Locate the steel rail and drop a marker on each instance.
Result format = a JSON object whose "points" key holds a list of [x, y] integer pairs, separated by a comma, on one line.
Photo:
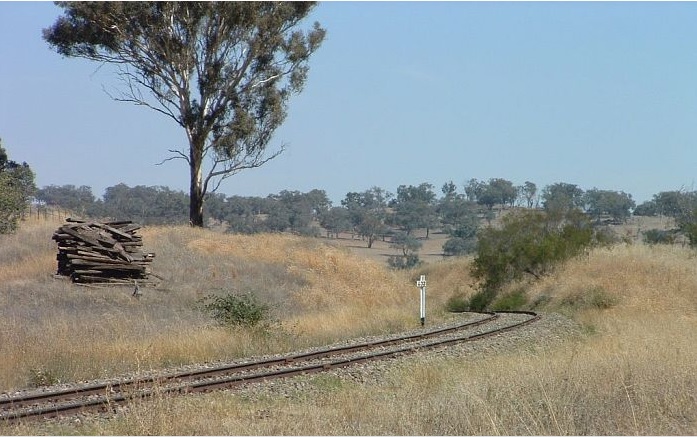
{"points": [[116, 386], [106, 396]]}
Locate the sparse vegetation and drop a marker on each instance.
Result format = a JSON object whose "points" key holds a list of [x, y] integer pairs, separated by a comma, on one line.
{"points": [[632, 372]]}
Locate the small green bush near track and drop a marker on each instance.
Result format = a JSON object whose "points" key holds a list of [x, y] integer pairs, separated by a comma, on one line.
{"points": [[511, 301], [457, 303], [234, 309]]}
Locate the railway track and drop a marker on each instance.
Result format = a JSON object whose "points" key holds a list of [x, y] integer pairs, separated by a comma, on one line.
{"points": [[106, 396]]}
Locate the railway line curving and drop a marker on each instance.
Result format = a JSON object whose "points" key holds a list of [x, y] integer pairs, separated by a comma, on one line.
{"points": [[106, 396]]}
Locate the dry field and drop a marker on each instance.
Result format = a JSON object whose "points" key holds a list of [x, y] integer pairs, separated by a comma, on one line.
{"points": [[633, 370], [432, 249]]}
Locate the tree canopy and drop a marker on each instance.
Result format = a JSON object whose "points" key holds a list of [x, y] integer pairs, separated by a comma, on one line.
{"points": [[368, 212], [616, 204], [415, 207], [560, 198], [16, 190], [223, 71]]}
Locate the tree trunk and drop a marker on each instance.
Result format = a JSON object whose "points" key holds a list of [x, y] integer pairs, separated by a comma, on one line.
{"points": [[196, 188]]}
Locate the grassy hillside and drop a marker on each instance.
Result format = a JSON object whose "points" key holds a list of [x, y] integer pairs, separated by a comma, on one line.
{"points": [[633, 370], [318, 294]]}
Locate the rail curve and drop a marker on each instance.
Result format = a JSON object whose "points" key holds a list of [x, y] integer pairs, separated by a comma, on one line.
{"points": [[106, 396]]}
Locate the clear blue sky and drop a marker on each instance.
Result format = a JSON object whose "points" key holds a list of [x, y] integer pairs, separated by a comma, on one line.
{"points": [[596, 94]]}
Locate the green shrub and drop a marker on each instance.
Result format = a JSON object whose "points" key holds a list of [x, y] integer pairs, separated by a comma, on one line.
{"points": [[528, 242], [456, 246], [16, 190], [658, 236], [481, 299], [42, 378], [511, 301], [595, 297], [400, 262], [457, 303], [541, 301], [234, 309], [690, 230]]}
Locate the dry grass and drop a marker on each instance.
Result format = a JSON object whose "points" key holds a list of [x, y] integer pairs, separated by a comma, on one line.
{"points": [[603, 385], [318, 294], [634, 371]]}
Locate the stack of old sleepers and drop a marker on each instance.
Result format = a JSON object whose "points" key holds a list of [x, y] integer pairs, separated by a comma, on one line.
{"points": [[102, 253]]}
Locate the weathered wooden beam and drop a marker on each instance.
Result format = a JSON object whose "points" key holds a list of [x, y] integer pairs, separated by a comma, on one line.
{"points": [[130, 227], [114, 231], [107, 266], [77, 259], [82, 236], [118, 223]]}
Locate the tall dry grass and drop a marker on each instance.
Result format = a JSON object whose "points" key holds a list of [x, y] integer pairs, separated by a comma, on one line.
{"points": [[625, 384], [633, 371], [52, 330]]}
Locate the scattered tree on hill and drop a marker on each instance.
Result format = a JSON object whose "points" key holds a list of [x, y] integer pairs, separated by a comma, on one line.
{"points": [[336, 220], [528, 191], [462, 237], [473, 189], [16, 190], [223, 71], [242, 214], [674, 203], [459, 220], [681, 205], [368, 211], [214, 206], [449, 190], [294, 211], [409, 245], [616, 204], [497, 192], [561, 198], [454, 210], [686, 217], [414, 208], [646, 209]]}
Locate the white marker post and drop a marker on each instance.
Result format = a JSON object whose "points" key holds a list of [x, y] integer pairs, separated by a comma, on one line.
{"points": [[421, 283]]}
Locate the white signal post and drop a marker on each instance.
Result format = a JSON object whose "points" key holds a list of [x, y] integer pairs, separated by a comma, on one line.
{"points": [[421, 283]]}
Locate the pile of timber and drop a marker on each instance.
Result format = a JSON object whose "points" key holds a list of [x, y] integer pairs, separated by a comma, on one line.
{"points": [[102, 253]]}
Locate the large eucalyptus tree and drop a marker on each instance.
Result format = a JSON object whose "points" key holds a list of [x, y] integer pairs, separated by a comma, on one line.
{"points": [[223, 71]]}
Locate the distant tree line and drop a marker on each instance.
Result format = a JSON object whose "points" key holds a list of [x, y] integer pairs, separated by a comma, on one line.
{"points": [[375, 213], [146, 205]]}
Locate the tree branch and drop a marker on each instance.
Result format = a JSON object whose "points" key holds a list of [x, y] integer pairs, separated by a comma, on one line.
{"points": [[181, 154]]}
